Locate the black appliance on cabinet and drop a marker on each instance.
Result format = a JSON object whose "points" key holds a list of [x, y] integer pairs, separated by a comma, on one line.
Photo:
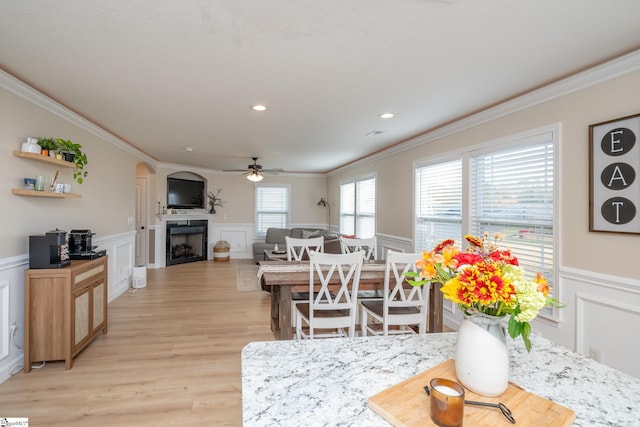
{"points": [[81, 246], [50, 250]]}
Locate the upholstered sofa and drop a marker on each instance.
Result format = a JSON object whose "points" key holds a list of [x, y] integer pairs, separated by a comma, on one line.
{"points": [[277, 236]]}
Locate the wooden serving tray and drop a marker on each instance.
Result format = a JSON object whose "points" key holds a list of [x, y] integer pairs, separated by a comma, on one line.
{"points": [[407, 404]]}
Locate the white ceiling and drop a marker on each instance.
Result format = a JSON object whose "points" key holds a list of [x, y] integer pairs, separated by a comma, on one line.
{"points": [[164, 75]]}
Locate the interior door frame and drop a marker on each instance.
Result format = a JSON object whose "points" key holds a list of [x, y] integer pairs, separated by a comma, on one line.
{"points": [[141, 253]]}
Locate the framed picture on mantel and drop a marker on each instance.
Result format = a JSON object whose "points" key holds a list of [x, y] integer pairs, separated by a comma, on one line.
{"points": [[614, 175]]}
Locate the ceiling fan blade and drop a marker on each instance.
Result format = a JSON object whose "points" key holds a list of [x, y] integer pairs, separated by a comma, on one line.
{"points": [[255, 167]]}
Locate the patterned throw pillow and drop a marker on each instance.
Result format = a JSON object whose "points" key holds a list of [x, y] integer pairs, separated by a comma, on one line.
{"points": [[308, 233]]}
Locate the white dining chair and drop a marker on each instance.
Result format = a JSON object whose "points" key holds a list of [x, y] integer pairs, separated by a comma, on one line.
{"points": [[331, 312], [298, 249], [370, 246], [402, 305]]}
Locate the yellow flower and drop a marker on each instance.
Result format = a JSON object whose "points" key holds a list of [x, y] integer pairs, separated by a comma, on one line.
{"points": [[450, 290]]}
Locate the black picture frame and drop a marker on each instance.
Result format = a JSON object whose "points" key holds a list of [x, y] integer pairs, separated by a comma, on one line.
{"points": [[614, 175]]}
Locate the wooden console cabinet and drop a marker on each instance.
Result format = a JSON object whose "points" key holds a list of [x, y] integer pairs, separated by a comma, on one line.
{"points": [[64, 310]]}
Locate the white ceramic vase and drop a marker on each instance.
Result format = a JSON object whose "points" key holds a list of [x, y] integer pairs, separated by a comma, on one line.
{"points": [[482, 358]]}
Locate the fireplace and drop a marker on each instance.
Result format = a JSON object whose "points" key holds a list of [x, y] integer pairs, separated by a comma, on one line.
{"points": [[186, 241]]}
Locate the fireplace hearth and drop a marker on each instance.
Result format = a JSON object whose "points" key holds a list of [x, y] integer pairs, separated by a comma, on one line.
{"points": [[186, 241]]}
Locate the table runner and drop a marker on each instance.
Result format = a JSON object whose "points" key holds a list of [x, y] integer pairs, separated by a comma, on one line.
{"points": [[303, 266]]}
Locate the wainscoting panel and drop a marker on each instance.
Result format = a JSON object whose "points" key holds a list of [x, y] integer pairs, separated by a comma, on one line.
{"points": [[607, 332], [12, 311], [600, 318], [239, 236], [120, 250], [238, 239], [5, 326], [393, 243]]}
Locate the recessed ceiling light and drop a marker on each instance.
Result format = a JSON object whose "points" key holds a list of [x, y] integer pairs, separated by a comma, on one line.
{"points": [[259, 107], [386, 115], [189, 149]]}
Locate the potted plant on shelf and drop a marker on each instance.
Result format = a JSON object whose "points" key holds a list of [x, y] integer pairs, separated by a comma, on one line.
{"points": [[214, 200], [48, 145], [73, 153]]}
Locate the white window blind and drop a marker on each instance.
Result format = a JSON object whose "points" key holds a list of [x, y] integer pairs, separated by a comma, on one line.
{"points": [[438, 196], [512, 192], [358, 208], [366, 208], [272, 208], [348, 208]]}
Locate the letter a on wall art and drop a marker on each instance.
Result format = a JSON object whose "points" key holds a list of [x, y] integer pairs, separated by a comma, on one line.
{"points": [[614, 175]]}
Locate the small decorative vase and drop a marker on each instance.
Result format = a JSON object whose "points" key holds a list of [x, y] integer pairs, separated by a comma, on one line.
{"points": [[482, 358], [212, 211], [69, 157]]}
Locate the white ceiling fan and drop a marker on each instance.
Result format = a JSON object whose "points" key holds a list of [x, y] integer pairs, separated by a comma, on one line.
{"points": [[254, 172]]}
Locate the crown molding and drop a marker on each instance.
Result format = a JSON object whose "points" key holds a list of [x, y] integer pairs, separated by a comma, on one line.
{"points": [[26, 92], [593, 76]]}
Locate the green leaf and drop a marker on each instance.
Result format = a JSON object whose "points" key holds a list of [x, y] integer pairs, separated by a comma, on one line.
{"points": [[514, 327]]}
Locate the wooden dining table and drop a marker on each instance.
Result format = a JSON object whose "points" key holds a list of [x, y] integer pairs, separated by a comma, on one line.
{"points": [[284, 278]]}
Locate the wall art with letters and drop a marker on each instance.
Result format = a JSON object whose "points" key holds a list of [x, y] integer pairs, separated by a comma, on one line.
{"points": [[614, 175]]}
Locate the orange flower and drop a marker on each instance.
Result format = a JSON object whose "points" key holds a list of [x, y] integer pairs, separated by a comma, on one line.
{"points": [[448, 257], [475, 241], [427, 264], [543, 285]]}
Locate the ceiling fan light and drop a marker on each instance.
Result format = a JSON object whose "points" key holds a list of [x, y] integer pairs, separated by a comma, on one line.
{"points": [[254, 176]]}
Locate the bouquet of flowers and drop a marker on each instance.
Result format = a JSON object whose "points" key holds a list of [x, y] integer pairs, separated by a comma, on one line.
{"points": [[485, 279]]}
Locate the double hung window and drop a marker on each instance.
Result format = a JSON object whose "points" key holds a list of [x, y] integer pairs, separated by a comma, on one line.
{"points": [[358, 208], [272, 207], [512, 193], [438, 196]]}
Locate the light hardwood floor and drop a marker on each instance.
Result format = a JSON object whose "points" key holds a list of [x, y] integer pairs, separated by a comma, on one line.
{"points": [[171, 357]]}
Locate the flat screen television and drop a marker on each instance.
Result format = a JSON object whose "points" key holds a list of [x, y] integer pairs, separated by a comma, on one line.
{"points": [[185, 194]]}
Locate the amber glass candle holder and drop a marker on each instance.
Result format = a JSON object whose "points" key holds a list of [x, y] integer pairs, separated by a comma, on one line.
{"points": [[447, 402]]}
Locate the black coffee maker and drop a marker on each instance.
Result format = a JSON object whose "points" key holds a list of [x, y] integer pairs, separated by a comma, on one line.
{"points": [[50, 250], [80, 242]]}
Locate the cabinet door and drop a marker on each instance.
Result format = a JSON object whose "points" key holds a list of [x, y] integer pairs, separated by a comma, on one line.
{"points": [[81, 319], [98, 317]]}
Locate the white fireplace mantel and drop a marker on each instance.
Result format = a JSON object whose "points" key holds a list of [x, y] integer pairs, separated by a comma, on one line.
{"points": [[161, 233]]}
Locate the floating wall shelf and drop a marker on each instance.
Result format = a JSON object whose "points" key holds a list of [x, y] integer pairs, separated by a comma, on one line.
{"points": [[51, 161], [45, 159], [21, 192]]}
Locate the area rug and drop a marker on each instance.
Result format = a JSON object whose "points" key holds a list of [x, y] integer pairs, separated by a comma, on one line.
{"points": [[247, 277]]}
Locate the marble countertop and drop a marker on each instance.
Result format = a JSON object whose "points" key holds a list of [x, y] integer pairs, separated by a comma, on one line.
{"points": [[327, 382]]}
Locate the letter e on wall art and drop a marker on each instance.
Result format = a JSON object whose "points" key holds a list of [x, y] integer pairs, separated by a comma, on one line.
{"points": [[614, 175]]}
